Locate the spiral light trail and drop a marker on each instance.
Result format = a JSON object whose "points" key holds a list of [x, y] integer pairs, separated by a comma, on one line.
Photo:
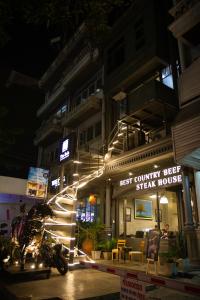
{"points": [[62, 228]]}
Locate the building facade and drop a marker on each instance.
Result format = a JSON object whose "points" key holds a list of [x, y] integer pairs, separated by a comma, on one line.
{"points": [[116, 111], [186, 141]]}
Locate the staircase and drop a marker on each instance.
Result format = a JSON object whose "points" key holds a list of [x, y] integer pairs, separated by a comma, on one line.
{"points": [[62, 227], [125, 136]]}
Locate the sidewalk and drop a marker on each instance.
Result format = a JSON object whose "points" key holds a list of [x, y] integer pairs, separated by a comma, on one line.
{"points": [[76, 284], [90, 284]]}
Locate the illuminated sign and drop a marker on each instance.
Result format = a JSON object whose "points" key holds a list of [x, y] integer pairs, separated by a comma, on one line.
{"points": [[37, 182], [66, 148], [155, 179], [56, 182]]}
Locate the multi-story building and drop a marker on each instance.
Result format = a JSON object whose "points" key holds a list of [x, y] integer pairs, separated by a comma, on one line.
{"points": [[116, 110], [186, 29]]}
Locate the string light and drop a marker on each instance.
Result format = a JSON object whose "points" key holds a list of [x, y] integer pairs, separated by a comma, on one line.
{"points": [[68, 196]]}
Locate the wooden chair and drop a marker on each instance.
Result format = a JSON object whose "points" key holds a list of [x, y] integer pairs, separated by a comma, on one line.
{"points": [[139, 253], [118, 251]]}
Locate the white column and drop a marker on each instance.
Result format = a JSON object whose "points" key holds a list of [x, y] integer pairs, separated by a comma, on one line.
{"points": [[187, 200], [197, 187]]}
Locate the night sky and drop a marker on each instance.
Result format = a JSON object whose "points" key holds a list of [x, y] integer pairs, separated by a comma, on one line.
{"points": [[29, 52]]}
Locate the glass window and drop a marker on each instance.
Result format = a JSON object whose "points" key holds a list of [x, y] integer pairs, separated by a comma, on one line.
{"points": [[85, 211], [166, 77]]}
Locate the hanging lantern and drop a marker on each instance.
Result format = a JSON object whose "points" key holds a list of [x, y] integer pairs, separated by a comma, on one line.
{"points": [[92, 199]]}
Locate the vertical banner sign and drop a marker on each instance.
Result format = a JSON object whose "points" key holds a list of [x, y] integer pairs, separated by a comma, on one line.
{"points": [[153, 243], [37, 182]]}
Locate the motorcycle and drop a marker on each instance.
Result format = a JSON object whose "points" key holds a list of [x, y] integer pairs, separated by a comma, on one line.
{"points": [[52, 256]]}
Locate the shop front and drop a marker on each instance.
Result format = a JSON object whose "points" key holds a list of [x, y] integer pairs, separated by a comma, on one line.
{"points": [[148, 199]]}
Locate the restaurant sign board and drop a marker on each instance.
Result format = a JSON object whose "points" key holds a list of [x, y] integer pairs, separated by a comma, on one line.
{"points": [[159, 178]]}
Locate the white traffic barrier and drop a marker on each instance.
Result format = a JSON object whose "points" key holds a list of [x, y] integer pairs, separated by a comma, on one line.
{"points": [[185, 287]]}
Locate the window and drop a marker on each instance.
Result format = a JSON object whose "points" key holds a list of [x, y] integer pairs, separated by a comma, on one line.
{"points": [[116, 55], [90, 133], [85, 211], [61, 110], [97, 129], [166, 77]]}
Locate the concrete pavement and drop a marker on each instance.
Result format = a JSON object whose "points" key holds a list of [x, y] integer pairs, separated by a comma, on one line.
{"points": [[76, 284]]}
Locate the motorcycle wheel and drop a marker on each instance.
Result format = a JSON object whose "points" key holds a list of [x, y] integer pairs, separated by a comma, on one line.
{"points": [[61, 265]]}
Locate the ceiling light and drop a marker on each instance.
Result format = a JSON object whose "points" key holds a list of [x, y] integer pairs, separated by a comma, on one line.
{"points": [[75, 174], [155, 166], [130, 173], [163, 200]]}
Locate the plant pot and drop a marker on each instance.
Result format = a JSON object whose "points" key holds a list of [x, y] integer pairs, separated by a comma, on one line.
{"points": [[96, 254], [107, 255], [169, 269]]}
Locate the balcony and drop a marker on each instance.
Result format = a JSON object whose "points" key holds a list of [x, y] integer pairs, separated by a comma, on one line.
{"points": [[48, 131], [150, 92], [74, 68], [189, 84], [82, 111], [141, 156], [187, 18]]}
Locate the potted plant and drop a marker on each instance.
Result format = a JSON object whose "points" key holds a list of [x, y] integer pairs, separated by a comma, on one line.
{"points": [[90, 234], [107, 247]]}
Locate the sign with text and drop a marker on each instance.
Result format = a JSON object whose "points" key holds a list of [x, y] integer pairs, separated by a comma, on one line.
{"points": [[155, 179], [37, 182], [56, 182], [67, 148], [132, 289]]}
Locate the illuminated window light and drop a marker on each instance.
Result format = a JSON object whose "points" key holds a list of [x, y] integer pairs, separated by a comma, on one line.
{"points": [[123, 128], [75, 174], [77, 162], [110, 148], [41, 265]]}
